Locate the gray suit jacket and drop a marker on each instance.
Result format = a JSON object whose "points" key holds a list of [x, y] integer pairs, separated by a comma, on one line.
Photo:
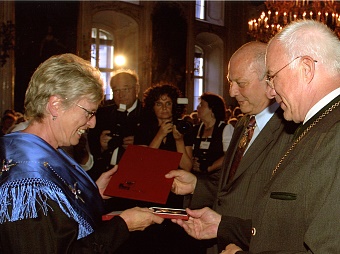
{"points": [[237, 197], [299, 209]]}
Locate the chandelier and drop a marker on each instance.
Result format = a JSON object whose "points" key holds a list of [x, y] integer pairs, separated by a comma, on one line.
{"points": [[278, 14], [6, 41]]}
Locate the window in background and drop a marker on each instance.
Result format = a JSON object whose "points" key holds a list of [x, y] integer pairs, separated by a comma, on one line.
{"points": [[200, 11], [210, 11], [102, 57], [131, 1], [198, 75]]}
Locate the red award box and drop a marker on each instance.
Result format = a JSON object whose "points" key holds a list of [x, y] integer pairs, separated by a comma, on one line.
{"points": [[141, 174]]}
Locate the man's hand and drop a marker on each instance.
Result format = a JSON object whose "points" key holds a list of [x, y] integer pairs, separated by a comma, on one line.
{"points": [[128, 141], [184, 182], [202, 223], [104, 140], [139, 218], [104, 180], [231, 249]]}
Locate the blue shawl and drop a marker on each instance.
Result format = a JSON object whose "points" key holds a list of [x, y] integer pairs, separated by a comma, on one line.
{"points": [[34, 172]]}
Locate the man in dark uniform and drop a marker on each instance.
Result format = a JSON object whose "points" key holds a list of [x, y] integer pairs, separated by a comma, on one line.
{"points": [[116, 124]]}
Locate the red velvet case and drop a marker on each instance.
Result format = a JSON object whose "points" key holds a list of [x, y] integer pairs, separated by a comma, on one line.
{"points": [[141, 174]]}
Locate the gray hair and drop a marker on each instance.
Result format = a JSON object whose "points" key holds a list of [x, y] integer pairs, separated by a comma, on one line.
{"points": [[311, 38], [259, 60], [67, 76], [124, 72], [254, 53]]}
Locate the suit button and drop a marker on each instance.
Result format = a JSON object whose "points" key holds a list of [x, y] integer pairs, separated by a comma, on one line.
{"points": [[219, 202], [253, 231]]}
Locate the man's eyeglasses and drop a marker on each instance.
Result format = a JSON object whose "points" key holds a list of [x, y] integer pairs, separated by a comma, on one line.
{"points": [[89, 114], [123, 90], [270, 78]]}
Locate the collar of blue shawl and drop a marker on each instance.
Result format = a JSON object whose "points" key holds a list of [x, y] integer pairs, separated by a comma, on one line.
{"points": [[33, 172]]}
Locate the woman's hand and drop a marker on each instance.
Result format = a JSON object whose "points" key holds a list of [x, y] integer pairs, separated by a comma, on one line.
{"points": [[177, 135], [195, 165], [104, 180], [165, 128], [140, 218]]}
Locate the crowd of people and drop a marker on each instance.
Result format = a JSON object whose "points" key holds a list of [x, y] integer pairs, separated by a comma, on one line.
{"points": [[262, 177], [9, 120]]}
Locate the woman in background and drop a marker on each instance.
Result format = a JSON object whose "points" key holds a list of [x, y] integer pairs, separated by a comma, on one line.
{"points": [[159, 130], [212, 137]]}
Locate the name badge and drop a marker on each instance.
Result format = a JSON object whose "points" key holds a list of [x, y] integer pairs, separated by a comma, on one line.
{"points": [[204, 145]]}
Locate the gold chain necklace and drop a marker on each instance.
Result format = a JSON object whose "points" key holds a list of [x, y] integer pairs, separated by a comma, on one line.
{"points": [[304, 134]]}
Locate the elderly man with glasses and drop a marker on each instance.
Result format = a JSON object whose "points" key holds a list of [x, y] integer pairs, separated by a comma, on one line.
{"points": [[299, 208]]}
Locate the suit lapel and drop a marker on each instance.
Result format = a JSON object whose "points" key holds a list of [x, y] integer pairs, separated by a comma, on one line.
{"points": [[265, 137], [229, 155]]}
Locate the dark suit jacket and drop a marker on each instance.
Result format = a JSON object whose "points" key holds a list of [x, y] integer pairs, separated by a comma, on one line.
{"points": [[237, 197], [108, 118], [299, 209]]}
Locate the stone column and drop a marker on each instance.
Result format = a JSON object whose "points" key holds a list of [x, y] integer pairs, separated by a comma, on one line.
{"points": [[7, 13]]}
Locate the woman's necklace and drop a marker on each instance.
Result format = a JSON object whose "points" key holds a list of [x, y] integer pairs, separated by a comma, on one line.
{"points": [[304, 134], [208, 131], [209, 125]]}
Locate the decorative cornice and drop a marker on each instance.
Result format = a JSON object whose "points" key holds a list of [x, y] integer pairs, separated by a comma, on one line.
{"points": [[131, 10]]}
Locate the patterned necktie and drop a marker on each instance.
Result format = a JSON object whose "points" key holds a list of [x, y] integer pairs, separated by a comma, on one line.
{"points": [[245, 139]]}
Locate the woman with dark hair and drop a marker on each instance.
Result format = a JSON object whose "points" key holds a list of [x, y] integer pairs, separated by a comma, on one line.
{"points": [[212, 136], [158, 130]]}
